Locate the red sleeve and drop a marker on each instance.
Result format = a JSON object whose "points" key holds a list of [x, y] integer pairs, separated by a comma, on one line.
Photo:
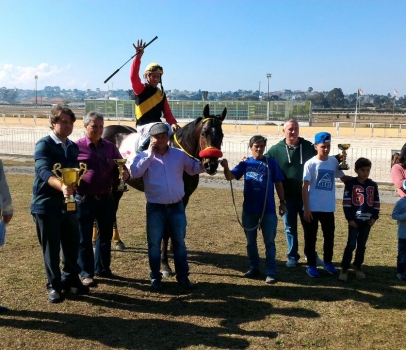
{"points": [[168, 113], [137, 85]]}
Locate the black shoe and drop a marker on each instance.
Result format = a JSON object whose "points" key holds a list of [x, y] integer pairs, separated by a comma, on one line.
{"points": [[156, 284], [252, 273], [54, 296], [79, 289], [3, 308], [108, 274], [185, 283]]}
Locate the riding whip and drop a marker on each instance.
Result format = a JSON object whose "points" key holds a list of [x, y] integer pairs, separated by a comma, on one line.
{"points": [[117, 70]]}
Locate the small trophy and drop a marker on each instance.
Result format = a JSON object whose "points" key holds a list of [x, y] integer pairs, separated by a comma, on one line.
{"points": [[122, 187], [70, 177], [343, 147]]}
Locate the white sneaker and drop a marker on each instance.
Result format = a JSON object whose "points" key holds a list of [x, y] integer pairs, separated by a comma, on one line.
{"points": [[291, 263]]}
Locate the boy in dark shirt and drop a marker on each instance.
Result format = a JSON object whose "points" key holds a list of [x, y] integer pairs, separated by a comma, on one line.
{"points": [[361, 208]]}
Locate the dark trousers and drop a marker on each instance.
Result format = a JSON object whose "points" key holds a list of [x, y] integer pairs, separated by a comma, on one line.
{"points": [[103, 211], [357, 239], [327, 223], [59, 233], [401, 260]]}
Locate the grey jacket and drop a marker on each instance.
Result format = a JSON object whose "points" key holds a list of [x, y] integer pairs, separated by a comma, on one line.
{"points": [[6, 205]]}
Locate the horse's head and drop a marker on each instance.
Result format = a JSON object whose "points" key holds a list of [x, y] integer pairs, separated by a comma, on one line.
{"points": [[210, 139]]}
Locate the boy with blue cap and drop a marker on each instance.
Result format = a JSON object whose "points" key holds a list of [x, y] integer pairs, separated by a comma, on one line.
{"points": [[319, 202]]}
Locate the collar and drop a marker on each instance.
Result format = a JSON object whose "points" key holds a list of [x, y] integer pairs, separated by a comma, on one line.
{"points": [[57, 140], [90, 142]]}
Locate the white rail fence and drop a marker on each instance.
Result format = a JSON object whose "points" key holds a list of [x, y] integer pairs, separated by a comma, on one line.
{"points": [[22, 142]]}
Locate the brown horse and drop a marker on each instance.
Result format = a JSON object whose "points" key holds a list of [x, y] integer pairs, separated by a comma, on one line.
{"points": [[200, 139]]}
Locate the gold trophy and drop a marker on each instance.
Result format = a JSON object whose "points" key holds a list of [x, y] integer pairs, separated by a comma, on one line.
{"points": [[122, 187], [70, 177], [343, 147]]}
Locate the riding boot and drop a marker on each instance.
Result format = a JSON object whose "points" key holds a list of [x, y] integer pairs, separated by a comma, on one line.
{"points": [[144, 146]]}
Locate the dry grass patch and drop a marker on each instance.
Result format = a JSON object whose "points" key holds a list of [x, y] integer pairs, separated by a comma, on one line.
{"points": [[225, 311]]}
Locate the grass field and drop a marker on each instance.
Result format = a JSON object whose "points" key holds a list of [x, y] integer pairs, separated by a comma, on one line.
{"points": [[225, 311]]}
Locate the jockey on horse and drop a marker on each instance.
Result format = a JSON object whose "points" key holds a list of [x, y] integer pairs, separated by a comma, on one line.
{"points": [[150, 104], [150, 101]]}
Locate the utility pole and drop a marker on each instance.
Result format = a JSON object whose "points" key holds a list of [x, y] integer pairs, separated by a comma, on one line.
{"points": [[268, 76], [36, 89]]}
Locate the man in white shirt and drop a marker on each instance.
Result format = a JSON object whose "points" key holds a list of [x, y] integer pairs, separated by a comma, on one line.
{"points": [[162, 167]]}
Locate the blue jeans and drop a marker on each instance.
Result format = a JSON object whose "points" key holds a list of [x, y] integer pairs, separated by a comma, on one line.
{"points": [[102, 210], [268, 227], [357, 238], [161, 217], [59, 233], [327, 222], [401, 263], [294, 207]]}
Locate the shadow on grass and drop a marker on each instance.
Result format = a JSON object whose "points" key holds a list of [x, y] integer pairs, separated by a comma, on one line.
{"points": [[116, 332], [379, 289], [152, 333]]}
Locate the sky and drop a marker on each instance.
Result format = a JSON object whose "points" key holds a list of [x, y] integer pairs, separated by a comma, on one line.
{"points": [[213, 45]]}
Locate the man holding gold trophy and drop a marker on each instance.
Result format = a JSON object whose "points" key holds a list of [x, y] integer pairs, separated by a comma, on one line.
{"points": [[95, 200], [53, 212]]}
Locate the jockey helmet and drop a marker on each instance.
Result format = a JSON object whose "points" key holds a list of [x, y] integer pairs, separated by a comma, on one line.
{"points": [[154, 68]]}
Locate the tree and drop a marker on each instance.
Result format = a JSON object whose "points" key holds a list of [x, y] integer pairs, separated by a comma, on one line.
{"points": [[335, 97], [318, 99], [309, 89], [8, 95]]}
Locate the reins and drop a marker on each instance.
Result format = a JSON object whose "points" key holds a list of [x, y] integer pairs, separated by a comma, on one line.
{"points": [[264, 207]]}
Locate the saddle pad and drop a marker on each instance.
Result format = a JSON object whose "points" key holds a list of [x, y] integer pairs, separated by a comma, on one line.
{"points": [[128, 147]]}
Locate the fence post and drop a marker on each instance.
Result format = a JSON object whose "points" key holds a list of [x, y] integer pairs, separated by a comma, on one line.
{"points": [[372, 129], [400, 131]]}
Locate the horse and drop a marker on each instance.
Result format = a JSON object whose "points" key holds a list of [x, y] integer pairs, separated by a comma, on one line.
{"points": [[200, 139]]}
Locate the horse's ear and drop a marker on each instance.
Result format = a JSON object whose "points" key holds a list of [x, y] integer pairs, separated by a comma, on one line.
{"points": [[206, 111], [223, 114]]}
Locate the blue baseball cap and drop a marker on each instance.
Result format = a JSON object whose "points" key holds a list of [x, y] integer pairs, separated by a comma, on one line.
{"points": [[322, 137]]}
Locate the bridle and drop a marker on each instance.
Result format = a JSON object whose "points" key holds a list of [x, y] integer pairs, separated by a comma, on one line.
{"points": [[175, 138]]}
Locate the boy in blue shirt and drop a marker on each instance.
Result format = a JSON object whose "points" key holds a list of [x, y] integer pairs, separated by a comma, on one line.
{"points": [[261, 174]]}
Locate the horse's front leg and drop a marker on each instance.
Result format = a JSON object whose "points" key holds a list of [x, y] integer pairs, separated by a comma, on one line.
{"points": [[165, 268]]}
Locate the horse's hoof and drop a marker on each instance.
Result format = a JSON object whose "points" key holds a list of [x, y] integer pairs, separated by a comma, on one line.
{"points": [[120, 245], [166, 271]]}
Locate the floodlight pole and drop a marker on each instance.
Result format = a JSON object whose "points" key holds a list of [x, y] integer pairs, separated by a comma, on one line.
{"points": [[36, 89], [268, 77], [355, 117]]}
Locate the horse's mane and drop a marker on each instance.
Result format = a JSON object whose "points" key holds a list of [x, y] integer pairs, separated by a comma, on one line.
{"points": [[189, 127]]}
